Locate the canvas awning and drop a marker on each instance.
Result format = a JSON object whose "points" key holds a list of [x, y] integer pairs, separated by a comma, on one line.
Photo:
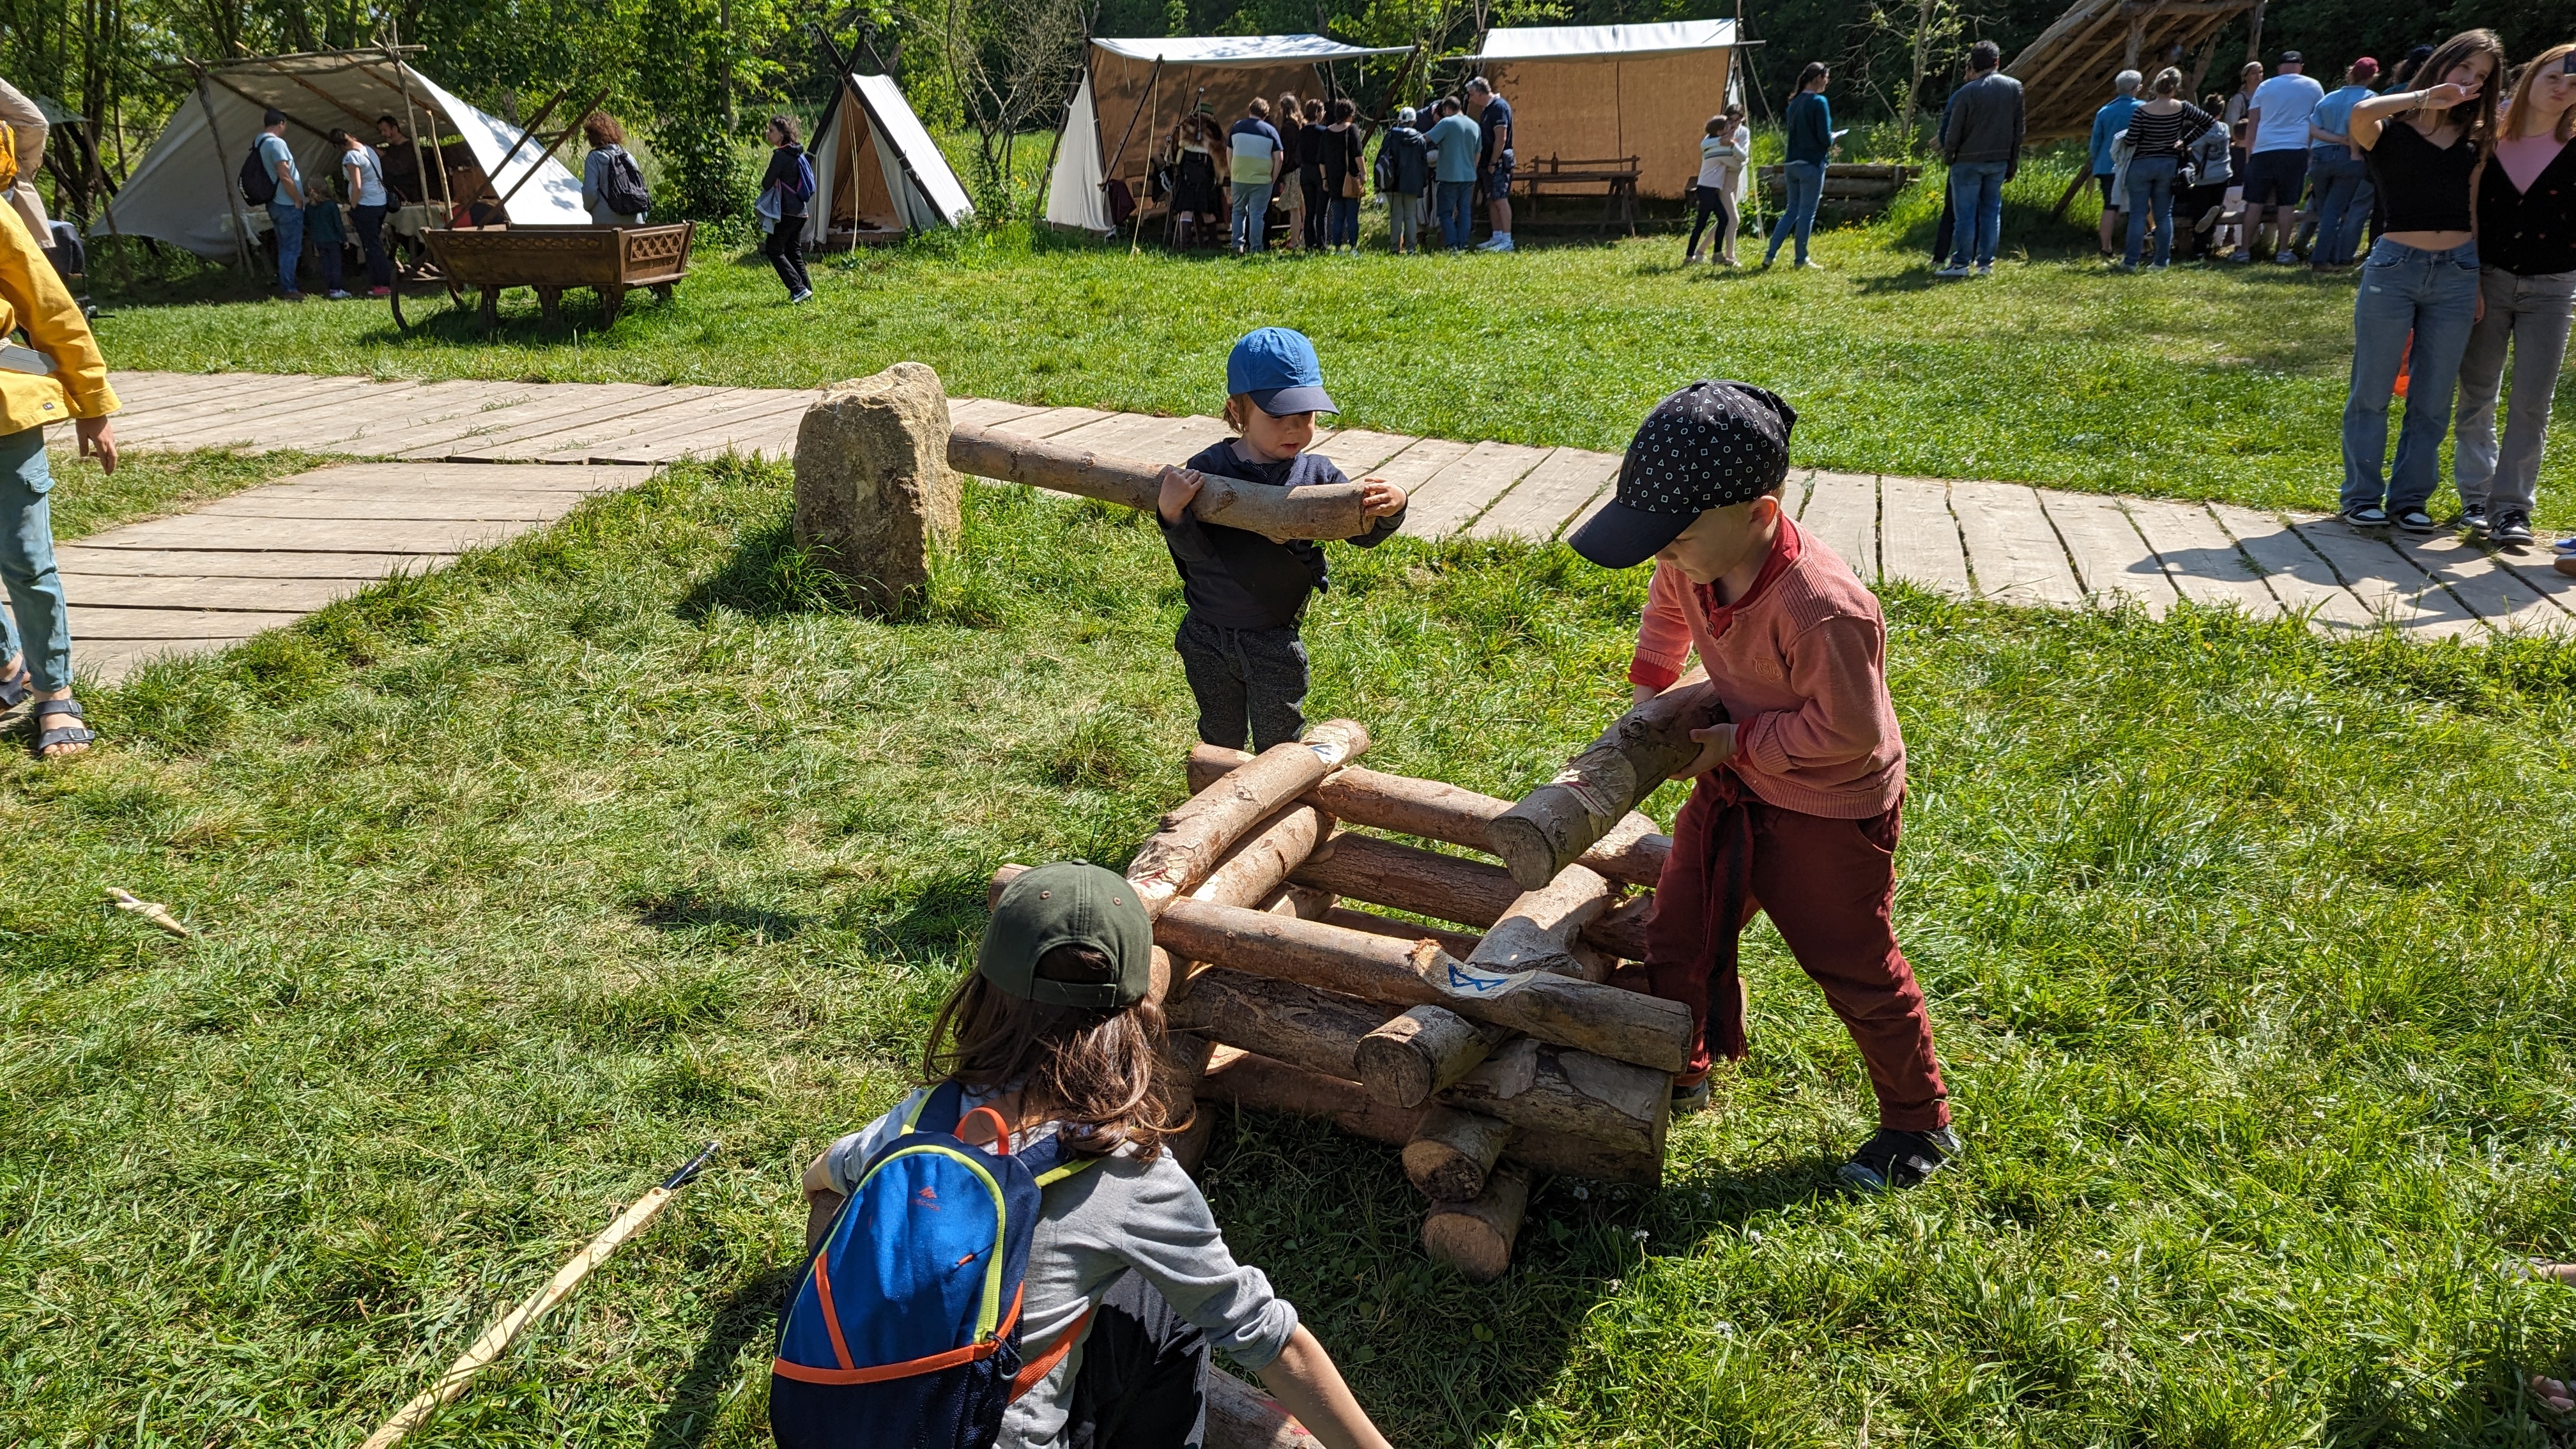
{"points": [[1243, 49], [1597, 42], [1602, 93]]}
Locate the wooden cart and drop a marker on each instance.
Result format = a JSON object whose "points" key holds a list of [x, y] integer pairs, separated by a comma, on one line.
{"points": [[611, 260]]}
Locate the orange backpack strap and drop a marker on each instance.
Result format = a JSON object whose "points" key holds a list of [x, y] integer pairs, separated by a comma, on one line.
{"points": [[1044, 1364]]}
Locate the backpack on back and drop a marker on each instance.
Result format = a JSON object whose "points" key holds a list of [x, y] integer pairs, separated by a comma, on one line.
{"points": [[906, 1328], [622, 189], [258, 182]]}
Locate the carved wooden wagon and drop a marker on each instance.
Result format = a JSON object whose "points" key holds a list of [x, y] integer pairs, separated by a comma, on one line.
{"points": [[553, 259]]}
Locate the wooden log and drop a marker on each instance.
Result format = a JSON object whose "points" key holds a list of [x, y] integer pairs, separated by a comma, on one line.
{"points": [[1418, 1052], [1538, 1087], [1257, 865], [1621, 930], [1295, 1024], [1476, 1237], [1240, 1416], [1194, 836], [1409, 878], [1556, 823], [1623, 1025], [1317, 511], [1456, 943], [1249, 1080], [1452, 1151], [1632, 853]]}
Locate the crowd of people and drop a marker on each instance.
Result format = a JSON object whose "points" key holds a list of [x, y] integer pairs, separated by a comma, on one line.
{"points": [[1301, 169]]}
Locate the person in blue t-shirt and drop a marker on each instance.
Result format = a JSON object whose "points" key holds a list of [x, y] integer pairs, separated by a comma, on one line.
{"points": [[1453, 177], [2337, 172], [1810, 124], [2108, 123], [1494, 159]]}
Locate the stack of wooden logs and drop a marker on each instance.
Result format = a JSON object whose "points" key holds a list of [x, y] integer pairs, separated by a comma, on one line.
{"points": [[1490, 1048]]}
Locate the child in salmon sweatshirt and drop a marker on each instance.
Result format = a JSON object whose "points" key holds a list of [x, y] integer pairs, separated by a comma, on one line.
{"points": [[1795, 804]]}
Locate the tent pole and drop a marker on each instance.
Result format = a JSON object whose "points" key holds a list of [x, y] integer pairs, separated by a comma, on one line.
{"points": [[1136, 233], [411, 123], [530, 132], [1046, 178], [446, 189], [1153, 77], [545, 156], [241, 218]]}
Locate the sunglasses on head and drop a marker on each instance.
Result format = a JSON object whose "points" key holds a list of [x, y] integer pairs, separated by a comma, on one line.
{"points": [[2567, 63]]}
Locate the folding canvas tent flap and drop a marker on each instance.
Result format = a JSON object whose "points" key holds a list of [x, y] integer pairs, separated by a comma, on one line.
{"points": [[186, 190], [877, 174], [1132, 91], [1596, 92]]}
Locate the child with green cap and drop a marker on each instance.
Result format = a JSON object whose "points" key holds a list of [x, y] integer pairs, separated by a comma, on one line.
{"points": [[1129, 1284], [1245, 593]]}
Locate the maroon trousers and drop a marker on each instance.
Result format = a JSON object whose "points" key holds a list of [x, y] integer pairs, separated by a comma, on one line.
{"points": [[1828, 885]]}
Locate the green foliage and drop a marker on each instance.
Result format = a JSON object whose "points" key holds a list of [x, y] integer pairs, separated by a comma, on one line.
{"points": [[706, 174]]}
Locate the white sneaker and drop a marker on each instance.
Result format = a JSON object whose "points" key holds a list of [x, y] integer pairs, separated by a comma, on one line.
{"points": [[2287, 257], [336, 295], [1501, 243], [1953, 272], [1985, 269]]}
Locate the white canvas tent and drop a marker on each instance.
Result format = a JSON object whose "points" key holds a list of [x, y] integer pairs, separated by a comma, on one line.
{"points": [[1598, 92], [877, 174], [186, 191], [1134, 90]]}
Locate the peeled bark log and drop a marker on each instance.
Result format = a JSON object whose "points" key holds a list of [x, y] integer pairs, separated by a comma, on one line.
{"points": [[1452, 1151], [1621, 930], [1456, 943], [1194, 836], [1296, 1024], [1476, 1237], [1632, 853], [1409, 878], [1324, 510], [1556, 823], [1261, 861], [1538, 929], [1240, 1416], [1418, 1052], [1537, 1087], [1624, 1025]]}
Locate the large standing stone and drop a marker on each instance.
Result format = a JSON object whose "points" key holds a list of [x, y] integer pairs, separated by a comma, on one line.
{"points": [[874, 491]]}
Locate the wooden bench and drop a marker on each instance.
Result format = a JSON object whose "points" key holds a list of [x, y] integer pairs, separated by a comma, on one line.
{"points": [[1616, 175], [1860, 186]]}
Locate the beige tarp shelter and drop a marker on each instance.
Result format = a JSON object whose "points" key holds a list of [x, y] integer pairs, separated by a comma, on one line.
{"points": [[186, 189], [1603, 92], [1133, 91], [878, 176]]}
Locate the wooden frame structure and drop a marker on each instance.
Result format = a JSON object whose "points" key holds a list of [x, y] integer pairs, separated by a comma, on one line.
{"points": [[2066, 73]]}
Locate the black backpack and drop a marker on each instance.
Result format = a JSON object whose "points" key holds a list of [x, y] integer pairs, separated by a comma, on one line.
{"points": [[622, 189], [258, 183]]}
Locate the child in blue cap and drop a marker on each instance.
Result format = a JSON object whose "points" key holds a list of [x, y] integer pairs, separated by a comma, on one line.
{"points": [[1245, 593]]}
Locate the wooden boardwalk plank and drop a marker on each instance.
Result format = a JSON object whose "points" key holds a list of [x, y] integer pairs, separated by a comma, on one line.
{"points": [[91, 559], [1408, 469], [301, 596], [985, 412], [2203, 563], [285, 416], [1447, 500], [2536, 567], [762, 428], [1052, 421], [372, 427], [2111, 557], [2297, 575], [115, 623], [1918, 540], [2014, 555], [1360, 453], [445, 505], [289, 535], [576, 445], [1842, 510], [2388, 584], [1548, 495], [378, 478], [492, 438], [2490, 590]]}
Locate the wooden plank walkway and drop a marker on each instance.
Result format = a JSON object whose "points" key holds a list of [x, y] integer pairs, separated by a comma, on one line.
{"points": [[223, 572]]}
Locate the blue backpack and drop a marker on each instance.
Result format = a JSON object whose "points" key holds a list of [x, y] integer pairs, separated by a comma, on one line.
{"points": [[906, 1329]]}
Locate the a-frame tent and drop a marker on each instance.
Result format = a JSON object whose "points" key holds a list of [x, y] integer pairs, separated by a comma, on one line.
{"points": [[1608, 92], [1132, 91], [878, 177], [186, 191]]}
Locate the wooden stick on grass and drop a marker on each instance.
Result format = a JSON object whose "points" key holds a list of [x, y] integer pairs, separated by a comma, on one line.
{"points": [[153, 911], [496, 1340]]}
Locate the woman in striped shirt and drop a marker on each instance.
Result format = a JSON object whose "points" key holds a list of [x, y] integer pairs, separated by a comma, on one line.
{"points": [[2159, 132]]}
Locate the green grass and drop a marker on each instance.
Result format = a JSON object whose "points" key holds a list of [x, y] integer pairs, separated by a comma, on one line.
{"points": [[515, 883], [2221, 384]]}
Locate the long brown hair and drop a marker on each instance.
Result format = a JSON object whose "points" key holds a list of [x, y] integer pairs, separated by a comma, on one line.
{"points": [[1098, 1073], [2556, 54], [2459, 50]]}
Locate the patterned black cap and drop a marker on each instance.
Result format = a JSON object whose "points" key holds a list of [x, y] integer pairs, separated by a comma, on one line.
{"points": [[1709, 445]]}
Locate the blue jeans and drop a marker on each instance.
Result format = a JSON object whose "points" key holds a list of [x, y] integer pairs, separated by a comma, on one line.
{"points": [[2433, 297], [2343, 203], [289, 221], [1251, 217], [1806, 183], [1450, 200], [2151, 186], [1976, 192], [27, 563], [370, 221], [1342, 223]]}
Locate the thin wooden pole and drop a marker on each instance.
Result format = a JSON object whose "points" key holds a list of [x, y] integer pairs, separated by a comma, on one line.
{"points": [[241, 218]]}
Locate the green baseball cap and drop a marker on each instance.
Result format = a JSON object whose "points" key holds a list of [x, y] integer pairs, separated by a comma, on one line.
{"points": [[1069, 904]]}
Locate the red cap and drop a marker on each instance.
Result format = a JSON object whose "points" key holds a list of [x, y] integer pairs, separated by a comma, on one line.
{"points": [[2365, 66]]}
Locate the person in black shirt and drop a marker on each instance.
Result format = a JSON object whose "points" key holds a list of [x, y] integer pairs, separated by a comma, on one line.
{"points": [[1244, 593], [788, 184]]}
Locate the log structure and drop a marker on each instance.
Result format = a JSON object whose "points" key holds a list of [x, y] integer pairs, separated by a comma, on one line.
{"points": [[1411, 994], [1555, 824]]}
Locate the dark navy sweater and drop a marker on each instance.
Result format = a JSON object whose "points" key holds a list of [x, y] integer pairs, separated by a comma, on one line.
{"points": [[1236, 579]]}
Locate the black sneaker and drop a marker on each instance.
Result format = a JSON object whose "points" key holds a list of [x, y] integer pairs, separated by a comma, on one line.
{"points": [[2512, 528], [2366, 515], [1895, 1159], [2473, 516]]}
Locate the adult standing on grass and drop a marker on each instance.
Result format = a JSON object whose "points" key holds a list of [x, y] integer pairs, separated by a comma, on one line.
{"points": [[1254, 156], [1723, 147], [62, 376], [612, 188], [2108, 123], [1454, 183], [1493, 160], [2341, 175], [2277, 170], [1404, 174], [2159, 132], [2421, 281], [784, 189], [1292, 194], [2526, 217], [1981, 139], [1314, 143], [285, 201], [1810, 124], [2249, 79], [1343, 168], [363, 171], [2212, 170]]}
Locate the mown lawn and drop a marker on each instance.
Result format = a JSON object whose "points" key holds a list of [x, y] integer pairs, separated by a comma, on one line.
{"points": [[2219, 384], [516, 883]]}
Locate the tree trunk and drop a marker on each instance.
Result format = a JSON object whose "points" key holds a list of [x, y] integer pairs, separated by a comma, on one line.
{"points": [[1476, 1237], [1632, 853], [1556, 823], [1296, 1024], [1542, 1089], [1452, 1151], [1196, 834], [1324, 510]]}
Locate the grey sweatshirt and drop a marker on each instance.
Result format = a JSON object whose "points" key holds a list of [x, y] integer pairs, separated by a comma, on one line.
{"points": [[1114, 1215]]}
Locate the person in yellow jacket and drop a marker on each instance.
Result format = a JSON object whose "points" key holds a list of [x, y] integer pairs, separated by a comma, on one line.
{"points": [[63, 376]]}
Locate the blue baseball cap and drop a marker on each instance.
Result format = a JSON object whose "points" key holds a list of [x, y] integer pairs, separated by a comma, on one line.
{"points": [[1278, 367]]}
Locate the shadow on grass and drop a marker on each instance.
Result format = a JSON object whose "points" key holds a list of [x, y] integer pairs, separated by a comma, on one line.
{"points": [[686, 910], [749, 1315], [768, 577]]}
